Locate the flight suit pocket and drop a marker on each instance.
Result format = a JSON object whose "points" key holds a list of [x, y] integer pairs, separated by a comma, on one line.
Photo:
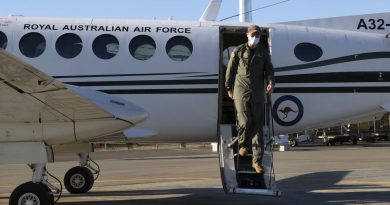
{"points": [[257, 59], [243, 67]]}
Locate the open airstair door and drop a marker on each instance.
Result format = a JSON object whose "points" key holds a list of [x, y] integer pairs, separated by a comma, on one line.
{"points": [[238, 176]]}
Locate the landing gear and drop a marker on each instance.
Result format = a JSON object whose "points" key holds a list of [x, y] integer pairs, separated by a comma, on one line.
{"points": [[37, 192], [51, 194], [80, 179], [30, 193], [293, 142]]}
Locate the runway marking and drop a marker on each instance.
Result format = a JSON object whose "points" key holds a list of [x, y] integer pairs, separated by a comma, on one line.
{"points": [[156, 179], [381, 186], [339, 190], [80, 198], [142, 180], [365, 182], [172, 157], [344, 182]]}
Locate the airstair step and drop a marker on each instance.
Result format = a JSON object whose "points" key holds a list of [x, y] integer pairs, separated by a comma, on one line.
{"points": [[237, 172], [251, 181], [246, 172], [264, 192], [248, 155]]}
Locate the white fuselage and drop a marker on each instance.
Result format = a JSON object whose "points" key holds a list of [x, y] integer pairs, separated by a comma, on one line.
{"points": [[347, 81]]}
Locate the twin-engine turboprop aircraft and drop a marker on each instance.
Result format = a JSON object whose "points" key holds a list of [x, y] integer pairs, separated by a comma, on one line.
{"points": [[65, 82]]}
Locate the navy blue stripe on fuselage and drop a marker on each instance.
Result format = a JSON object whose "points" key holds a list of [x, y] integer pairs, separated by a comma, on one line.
{"points": [[124, 75], [162, 91], [338, 60], [355, 89], [336, 77], [374, 89], [145, 82]]}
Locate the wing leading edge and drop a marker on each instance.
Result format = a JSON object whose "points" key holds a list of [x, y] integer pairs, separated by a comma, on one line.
{"points": [[37, 107]]}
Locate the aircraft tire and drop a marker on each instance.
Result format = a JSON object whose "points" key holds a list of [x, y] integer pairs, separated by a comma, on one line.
{"points": [[331, 142], [30, 193], [294, 143], [78, 180], [51, 195]]}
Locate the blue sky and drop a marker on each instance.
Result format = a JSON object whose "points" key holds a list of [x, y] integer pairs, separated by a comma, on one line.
{"points": [[190, 9]]}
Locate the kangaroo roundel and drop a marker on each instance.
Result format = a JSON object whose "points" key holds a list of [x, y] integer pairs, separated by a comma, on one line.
{"points": [[287, 110]]}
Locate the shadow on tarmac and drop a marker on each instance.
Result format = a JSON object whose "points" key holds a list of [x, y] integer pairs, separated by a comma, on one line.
{"points": [[297, 190]]}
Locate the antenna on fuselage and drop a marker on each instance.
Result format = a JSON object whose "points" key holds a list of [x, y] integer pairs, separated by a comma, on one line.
{"points": [[250, 11], [212, 10]]}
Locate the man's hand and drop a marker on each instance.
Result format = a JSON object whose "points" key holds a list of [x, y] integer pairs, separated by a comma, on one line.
{"points": [[230, 93], [270, 87]]}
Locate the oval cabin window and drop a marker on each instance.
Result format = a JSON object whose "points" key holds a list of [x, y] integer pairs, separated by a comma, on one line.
{"points": [[179, 48], [69, 45], [32, 45], [142, 47], [105, 46], [307, 52], [3, 40]]}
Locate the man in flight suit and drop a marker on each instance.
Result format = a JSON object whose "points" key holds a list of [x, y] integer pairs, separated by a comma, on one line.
{"points": [[249, 74]]}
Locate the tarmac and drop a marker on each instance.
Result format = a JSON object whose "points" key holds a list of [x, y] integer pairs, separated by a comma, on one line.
{"points": [[311, 174]]}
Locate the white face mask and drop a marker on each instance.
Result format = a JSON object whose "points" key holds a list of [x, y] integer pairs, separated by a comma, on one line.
{"points": [[253, 41]]}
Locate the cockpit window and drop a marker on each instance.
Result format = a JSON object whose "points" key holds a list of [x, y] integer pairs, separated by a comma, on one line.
{"points": [[3, 40], [32, 45], [142, 47], [105, 46], [179, 48], [69, 45], [307, 52]]}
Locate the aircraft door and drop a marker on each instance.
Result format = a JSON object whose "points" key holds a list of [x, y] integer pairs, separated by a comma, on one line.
{"points": [[237, 174]]}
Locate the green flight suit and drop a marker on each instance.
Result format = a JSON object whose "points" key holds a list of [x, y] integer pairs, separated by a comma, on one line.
{"points": [[247, 72]]}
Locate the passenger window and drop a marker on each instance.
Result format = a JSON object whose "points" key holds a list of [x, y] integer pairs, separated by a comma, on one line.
{"points": [[307, 52], [3, 40], [179, 48], [142, 47], [32, 45], [69, 45], [105, 46]]}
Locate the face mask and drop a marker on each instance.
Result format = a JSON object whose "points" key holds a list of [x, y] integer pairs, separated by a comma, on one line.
{"points": [[253, 41]]}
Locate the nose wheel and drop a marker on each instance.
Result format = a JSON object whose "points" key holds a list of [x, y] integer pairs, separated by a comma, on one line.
{"points": [[79, 180]]}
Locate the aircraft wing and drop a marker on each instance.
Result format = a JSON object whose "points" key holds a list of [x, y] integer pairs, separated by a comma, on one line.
{"points": [[35, 106]]}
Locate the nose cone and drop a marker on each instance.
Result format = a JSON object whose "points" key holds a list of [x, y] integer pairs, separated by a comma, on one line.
{"points": [[118, 107]]}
